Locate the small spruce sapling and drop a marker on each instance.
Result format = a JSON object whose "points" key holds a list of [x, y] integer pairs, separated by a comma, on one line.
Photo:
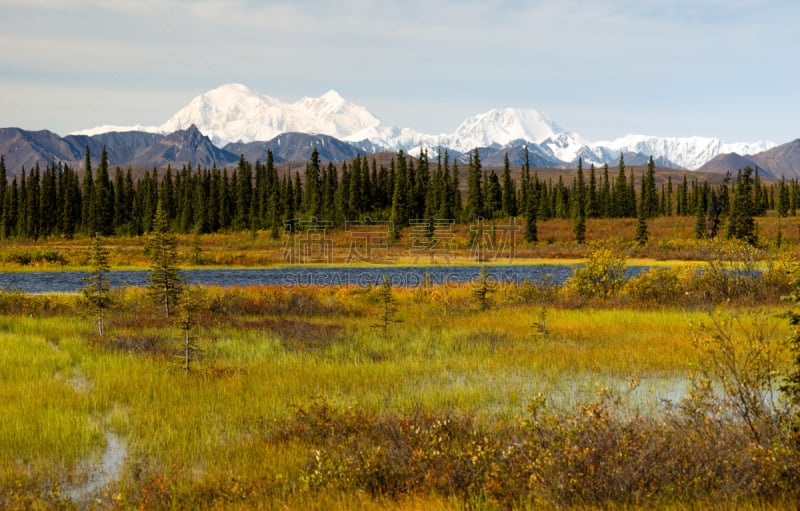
{"points": [[388, 305], [97, 291]]}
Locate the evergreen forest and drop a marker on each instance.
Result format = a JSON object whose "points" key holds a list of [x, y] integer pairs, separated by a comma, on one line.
{"points": [[61, 201]]}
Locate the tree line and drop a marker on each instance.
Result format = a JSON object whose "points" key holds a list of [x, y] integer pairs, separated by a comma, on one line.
{"points": [[60, 201]]}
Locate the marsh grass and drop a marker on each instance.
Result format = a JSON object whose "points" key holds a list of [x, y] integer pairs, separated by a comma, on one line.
{"points": [[226, 435]]}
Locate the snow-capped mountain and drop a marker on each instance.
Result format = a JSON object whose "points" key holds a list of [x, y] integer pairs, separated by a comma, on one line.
{"points": [[685, 152], [502, 127], [233, 113]]}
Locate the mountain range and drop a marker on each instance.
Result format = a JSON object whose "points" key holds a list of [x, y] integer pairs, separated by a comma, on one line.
{"points": [[220, 125]]}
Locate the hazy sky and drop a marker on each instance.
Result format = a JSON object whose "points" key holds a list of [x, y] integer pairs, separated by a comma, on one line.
{"points": [[602, 68]]}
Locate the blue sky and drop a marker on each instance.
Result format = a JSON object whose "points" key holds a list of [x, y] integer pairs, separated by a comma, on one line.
{"points": [[604, 69]]}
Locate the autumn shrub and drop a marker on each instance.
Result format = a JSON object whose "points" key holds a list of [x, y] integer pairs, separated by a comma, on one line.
{"points": [[527, 292], [275, 300], [18, 302], [660, 286], [600, 455], [35, 256], [602, 275], [730, 272], [393, 456]]}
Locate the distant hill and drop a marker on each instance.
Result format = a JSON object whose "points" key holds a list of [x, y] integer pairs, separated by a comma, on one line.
{"points": [[131, 148], [731, 162], [295, 147], [780, 161], [783, 160]]}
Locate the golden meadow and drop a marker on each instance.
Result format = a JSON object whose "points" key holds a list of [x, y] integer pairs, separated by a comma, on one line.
{"points": [[657, 392]]}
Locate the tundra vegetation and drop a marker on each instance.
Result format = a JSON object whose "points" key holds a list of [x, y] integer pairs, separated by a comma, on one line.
{"points": [[672, 389], [676, 388]]}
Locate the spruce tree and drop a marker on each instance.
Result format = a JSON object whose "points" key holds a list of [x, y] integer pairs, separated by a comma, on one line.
{"points": [[525, 183], [102, 202], [87, 194], [509, 191], [641, 225], [399, 213], [531, 230], [97, 291], [782, 206], [187, 322], [649, 195], [313, 193], [712, 216], [579, 206], [606, 207], [164, 280], [32, 216], [3, 191], [493, 205], [700, 227], [741, 224], [619, 192], [386, 299], [475, 197], [592, 205]]}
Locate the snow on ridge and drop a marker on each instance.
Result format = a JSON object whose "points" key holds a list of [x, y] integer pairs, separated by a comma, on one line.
{"points": [[112, 128], [235, 113], [687, 152]]}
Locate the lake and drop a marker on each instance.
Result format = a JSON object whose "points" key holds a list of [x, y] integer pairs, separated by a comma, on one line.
{"points": [[401, 276]]}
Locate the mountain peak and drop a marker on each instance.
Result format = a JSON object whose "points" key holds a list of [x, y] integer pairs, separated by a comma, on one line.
{"points": [[232, 87], [332, 96], [503, 126]]}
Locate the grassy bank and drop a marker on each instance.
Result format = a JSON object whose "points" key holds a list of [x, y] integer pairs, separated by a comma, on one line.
{"points": [[671, 241]]}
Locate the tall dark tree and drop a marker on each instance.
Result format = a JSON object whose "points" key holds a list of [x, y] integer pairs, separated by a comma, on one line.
{"points": [[592, 199], [70, 206], [531, 229], [641, 225], [102, 202], [475, 196], [313, 192], [782, 206], [3, 188], [509, 190], [493, 205], [87, 194], [619, 192], [244, 195], [579, 206], [712, 216], [399, 213], [525, 183], [11, 209], [32, 218], [741, 223], [649, 193]]}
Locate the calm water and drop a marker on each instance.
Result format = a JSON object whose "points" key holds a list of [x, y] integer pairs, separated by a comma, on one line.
{"points": [[403, 276]]}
